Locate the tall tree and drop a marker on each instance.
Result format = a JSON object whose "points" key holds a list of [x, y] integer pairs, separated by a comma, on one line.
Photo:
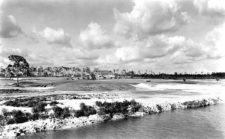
{"points": [[19, 68]]}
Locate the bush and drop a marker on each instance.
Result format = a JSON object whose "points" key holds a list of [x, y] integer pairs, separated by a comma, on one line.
{"points": [[84, 111], [10, 121], [5, 112], [53, 103], [19, 116], [134, 106], [58, 112], [25, 102], [101, 111], [117, 107], [16, 117], [2, 120], [173, 107], [43, 116], [40, 107], [11, 103], [66, 112], [78, 113], [98, 103], [159, 108], [35, 116]]}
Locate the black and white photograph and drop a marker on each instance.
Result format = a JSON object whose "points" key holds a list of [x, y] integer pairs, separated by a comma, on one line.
{"points": [[112, 69]]}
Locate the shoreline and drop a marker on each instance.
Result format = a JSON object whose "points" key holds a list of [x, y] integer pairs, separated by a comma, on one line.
{"points": [[40, 125], [145, 99]]}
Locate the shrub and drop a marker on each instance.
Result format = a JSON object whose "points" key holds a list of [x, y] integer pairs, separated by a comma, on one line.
{"points": [[61, 113], [35, 116], [101, 111], [134, 106], [84, 111], [78, 113], [16, 116], [159, 108], [19, 116], [53, 103], [117, 107], [29, 116], [57, 112], [2, 120], [173, 107], [40, 107], [10, 121], [43, 116], [5, 112], [98, 103], [66, 112], [25, 102], [21, 119], [10, 103]]}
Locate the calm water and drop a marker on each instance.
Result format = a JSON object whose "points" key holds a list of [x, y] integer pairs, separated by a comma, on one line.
{"points": [[198, 124]]}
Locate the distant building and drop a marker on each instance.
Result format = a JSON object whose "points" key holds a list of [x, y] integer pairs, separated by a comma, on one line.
{"points": [[104, 74]]}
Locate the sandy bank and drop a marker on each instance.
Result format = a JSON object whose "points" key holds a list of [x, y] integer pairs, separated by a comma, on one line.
{"points": [[73, 122]]}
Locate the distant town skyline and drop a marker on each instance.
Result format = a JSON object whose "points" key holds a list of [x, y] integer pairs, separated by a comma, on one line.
{"points": [[159, 35]]}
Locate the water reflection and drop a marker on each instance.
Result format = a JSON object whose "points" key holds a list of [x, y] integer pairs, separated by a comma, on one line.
{"points": [[198, 123]]}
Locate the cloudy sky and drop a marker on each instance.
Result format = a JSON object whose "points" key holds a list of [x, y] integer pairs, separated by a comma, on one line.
{"points": [[159, 35]]}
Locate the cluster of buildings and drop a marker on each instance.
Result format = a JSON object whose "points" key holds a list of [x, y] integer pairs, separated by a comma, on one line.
{"points": [[73, 72]]}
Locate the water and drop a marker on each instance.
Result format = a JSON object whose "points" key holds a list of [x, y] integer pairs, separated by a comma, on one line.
{"points": [[199, 123]]}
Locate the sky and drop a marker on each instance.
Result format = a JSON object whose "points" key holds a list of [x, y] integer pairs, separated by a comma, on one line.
{"points": [[159, 35]]}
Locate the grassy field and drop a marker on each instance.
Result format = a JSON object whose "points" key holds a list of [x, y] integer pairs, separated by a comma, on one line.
{"points": [[64, 84], [67, 84]]}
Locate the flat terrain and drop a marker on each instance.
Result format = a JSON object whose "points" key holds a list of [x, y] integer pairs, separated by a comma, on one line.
{"points": [[67, 84], [57, 85]]}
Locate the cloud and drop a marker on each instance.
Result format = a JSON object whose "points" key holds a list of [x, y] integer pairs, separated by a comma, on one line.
{"points": [[161, 49], [94, 37], [215, 39], [151, 17], [211, 7], [140, 50], [9, 27], [55, 36]]}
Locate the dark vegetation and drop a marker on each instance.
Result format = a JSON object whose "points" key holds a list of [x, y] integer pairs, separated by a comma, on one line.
{"points": [[105, 109], [32, 84], [53, 103], [9, 91], [84, 111], [124, 107], [216, 75], [14, 117], [19, 68], [159, 108], [196, 104], [61, 112], [40, 112], [32, 101], [39, 107], [25, 102]]}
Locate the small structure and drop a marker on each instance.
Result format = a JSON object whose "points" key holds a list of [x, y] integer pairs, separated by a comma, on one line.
{"points": [[104, 74]]}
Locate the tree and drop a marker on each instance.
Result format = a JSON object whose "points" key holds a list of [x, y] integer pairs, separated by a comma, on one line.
{"points": [[93, 77], [19, 68]]}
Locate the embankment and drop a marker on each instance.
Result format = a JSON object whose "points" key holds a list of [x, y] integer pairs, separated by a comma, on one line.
{"points": [[104, 111]]}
